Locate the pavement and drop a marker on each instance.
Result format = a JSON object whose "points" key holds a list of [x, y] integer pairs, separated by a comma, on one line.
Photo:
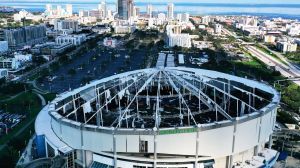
{"points": [[292, 66], [93, 69], [285, 70]]}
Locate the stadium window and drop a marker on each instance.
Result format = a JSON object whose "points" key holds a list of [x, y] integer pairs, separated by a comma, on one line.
{"points": [[144, 146]]}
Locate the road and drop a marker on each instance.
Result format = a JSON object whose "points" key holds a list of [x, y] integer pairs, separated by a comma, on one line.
{"points": [[24, 77], [283, 58], [284, 69]]}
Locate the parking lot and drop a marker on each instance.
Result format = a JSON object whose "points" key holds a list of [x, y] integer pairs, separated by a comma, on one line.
{"points": [[95, 64], [9, 121]]}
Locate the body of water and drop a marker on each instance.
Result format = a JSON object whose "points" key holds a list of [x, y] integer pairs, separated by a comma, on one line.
{"points": [[269, 10]]}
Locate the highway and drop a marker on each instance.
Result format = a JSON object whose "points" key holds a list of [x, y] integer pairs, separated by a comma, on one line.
{"points": [[283, 58], [285, 70]]}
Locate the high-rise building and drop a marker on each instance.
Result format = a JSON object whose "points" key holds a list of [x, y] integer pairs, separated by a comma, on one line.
{"points": [[95, 13], [136, 12], [185, 17], [149, 10], [69, 9], [83, 13], [71, 25], [49, 10], [102, 9], [171, 11], [125, 9], [48, 7], [59, 10], [179, 17], [130, 8], [28, 35]]}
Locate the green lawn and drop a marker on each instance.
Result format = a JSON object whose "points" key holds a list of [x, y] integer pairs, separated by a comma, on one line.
{"points": [[49, 96], [4, 96], [26, 104]]}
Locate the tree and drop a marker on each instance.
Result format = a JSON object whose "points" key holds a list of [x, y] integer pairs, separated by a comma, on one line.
{"points": [[2, 81], [72, 71], [38, 60], [291, 96]]}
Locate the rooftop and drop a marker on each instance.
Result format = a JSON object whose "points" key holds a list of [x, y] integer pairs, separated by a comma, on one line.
{"points": [[165, 98]]}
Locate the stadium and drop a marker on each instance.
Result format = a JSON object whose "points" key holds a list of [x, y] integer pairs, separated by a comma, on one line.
{"points": [[170, 117]]}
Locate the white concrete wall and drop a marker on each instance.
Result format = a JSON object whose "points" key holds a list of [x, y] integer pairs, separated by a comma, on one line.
{"points": [[184, 144], [72, 136], [128, 164], [220, 162], [97, 142], [216, 142], [246, 135]]}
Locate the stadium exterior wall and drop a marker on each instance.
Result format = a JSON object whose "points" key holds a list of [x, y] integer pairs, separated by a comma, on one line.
{"points": [[224, 142]]}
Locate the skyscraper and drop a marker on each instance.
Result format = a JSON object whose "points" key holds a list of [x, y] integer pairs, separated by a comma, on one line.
{"points": [[171, 11], [149, 10], [125, 9], [48, 7], [69, 9], [136, 12], [59, 10], [102, 8]]}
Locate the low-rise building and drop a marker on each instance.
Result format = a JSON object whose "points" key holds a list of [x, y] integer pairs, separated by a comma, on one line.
{"points": [[58, 49], [73, 39], [286, 46], [109, 42], [218, 28], [269, 38], [23, 57], [124, 29], [101, 29], [87, 20], [202, 44], [51, 48], [9, 63], [3, 73], [23, 14]]}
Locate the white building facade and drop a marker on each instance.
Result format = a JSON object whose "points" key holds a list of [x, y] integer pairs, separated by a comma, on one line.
{"points": [[73, 39], [3, 46]]}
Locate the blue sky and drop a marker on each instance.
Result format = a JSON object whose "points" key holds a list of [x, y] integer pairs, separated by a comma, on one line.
{"points": [[166, 1]]}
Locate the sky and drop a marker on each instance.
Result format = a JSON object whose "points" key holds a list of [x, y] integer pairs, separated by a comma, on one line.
{"points": [[181, 1]]}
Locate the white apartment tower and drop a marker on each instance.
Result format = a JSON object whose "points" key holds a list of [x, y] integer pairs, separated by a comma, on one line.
{"points": [[69, 9], [48, 7], [102, 8], [149, 10], [171, 11]]}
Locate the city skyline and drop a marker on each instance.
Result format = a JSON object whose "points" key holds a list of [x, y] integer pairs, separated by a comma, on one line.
{"points": [[149, 83], [172, 1]]}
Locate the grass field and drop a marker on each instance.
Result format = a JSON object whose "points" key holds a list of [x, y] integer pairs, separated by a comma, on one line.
{"points": [[15, 141]]}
